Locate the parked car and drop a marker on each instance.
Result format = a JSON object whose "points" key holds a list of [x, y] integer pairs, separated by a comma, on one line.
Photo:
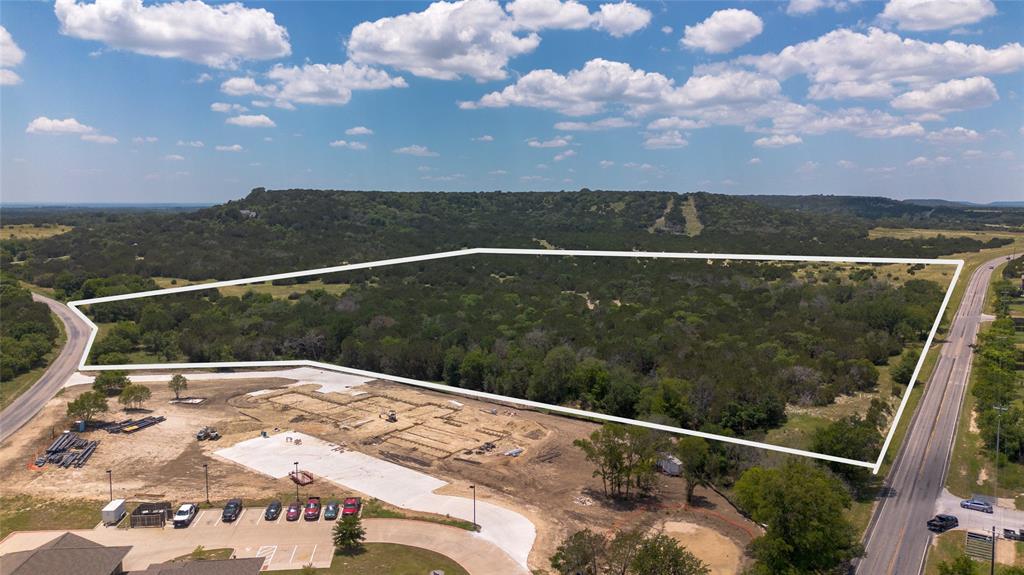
{"points": [[312, 509], [232, 511], [203, 433], [185, 514], [942, 523], [976, 505], [273, 511], [294, 510], [1012, 535], [352, 506], [331, 510]]}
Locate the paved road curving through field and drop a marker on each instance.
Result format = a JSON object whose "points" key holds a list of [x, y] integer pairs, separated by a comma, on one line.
{"points": [[29, 403]]}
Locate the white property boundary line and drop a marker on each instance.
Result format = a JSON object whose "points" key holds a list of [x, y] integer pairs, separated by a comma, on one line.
{"points": [[874, 466]]}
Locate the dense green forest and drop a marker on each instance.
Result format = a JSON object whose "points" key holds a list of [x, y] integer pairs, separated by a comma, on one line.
{"points": [[997, 389], [27, 332], [899, 214], [723, 345], [273, 231]]}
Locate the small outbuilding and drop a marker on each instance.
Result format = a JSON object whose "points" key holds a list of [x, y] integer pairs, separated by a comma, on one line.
{"points": [[670, 464]]}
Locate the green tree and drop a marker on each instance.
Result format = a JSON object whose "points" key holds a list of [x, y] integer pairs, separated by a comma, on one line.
{"points": [[87, 405], [697, 461], [111, 382], [852, 438], [582, 553], [803, 508], [604, 449], [178, 384], [962, 565], [348, 534], [662, 555], [134, 395], [622, 551]]}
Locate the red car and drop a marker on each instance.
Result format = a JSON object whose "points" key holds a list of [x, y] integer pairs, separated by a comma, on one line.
{"points": [[294, 510], [312, 509], [352, 506]]}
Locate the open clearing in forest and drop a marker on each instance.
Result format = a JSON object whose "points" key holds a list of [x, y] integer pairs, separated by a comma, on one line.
{"points": [[32, 231]]}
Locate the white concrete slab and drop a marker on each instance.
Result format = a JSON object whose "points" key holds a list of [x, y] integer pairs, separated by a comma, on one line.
{"points": [[397, 485], [328, 380]]}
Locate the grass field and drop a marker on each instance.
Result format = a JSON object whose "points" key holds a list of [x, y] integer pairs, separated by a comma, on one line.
{"points": [[32, 231], [950, 545], [389, 558], [971, 259], [276, 291], [26, 513], [971, 468], [10, 390]]}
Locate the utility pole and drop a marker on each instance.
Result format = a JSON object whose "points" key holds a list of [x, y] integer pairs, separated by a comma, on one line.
{"points": [[1000, 409], [110, 484], [206, 472], [475, 526]]}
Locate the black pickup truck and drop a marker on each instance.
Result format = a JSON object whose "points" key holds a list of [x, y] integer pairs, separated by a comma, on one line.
{"points": [[942, 523]]}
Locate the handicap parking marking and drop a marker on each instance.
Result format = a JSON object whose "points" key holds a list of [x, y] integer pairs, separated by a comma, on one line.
{"points": [[267, 552]]}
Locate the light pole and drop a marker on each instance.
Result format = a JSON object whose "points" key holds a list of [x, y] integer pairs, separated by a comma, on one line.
{"points": [[206, 472], [110, 484], [1000, 409], [296, 478], [475, 526]]}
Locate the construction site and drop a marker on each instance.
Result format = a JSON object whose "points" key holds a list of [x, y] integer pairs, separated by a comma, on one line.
{"points": [[517, 460]]}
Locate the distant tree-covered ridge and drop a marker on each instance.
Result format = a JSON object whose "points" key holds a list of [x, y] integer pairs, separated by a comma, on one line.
{"points": [[273, 231], [721, 345], [27, 332]]}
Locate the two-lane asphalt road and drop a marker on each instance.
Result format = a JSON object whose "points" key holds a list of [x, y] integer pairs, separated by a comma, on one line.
{"points": [[898, 539], [29, 403]]}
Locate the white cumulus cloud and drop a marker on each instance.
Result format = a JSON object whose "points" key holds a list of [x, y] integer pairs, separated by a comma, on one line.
{"points": [[558, 142], [976, 92], [359, 131], [416, 150], [778, 141], [723, 31], [347, 144], [844, 63], [563, 155], [622, 19], [10, 56], [231, 148], [595, 126], [219, 36], [251, 121], [665, 140], [954, 135], [191, 143], [225, 108], [924, 15], [541, 14], [50, 126], [316, 84], [446, 41]]}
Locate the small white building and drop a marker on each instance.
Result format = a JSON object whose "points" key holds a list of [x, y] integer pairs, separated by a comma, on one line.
{"points": [[113, 512], [670, 464]]}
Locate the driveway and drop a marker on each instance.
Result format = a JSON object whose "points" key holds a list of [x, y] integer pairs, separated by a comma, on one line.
{"points": [[282, 544], [29, 403], [1002, 517]]}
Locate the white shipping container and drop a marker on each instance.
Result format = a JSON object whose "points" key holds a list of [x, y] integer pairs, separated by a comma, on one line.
{"points": [[113, 512]]}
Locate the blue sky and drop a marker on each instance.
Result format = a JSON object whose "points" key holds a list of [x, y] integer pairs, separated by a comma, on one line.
{"points": [[109, 102]]}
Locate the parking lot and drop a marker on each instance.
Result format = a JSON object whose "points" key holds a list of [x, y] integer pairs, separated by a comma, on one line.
{"points": [[283, 544]]}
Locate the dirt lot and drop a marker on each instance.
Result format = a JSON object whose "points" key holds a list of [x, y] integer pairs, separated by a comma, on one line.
{"points": [[438, 434]]}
